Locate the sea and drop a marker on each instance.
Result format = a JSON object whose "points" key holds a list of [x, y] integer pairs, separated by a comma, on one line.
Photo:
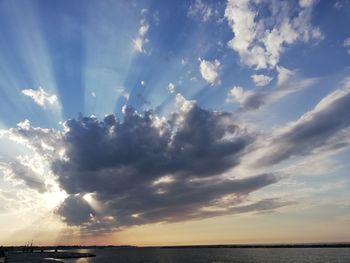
{"points": [[215, 255]]}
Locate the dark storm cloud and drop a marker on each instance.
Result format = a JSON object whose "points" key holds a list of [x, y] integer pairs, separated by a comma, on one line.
{"points": [[112, 156], [183, 200], [147, 169], [75, 210]]}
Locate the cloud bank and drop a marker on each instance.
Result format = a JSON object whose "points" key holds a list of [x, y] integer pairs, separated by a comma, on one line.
{"points": [[146, 168]]}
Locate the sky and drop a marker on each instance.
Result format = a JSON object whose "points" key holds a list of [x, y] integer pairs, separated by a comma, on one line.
{"points": [[174, 122]]}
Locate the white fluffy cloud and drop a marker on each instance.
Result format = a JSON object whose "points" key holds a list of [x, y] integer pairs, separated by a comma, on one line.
{"points": [[259, 39], [209, 70], [171, 87], [261, 80], [41, 97]]}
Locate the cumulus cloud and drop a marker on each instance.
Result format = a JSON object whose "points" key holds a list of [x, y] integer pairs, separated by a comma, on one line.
{"points": [[209, 71], [72, 204], [261, 80], [260, 37], [41, 97], [141, 39]]}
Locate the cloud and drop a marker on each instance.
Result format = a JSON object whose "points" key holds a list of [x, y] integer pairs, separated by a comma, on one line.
{"points": [[326, 127], [141, 40], [198, 9], [19, 173], [209, 71], [123, 93], [288, 82], [347, 45], [171, 87], [41, 97], [261, 80], [72, 204], [145, 168], [247, 99], [306, 3], [260, 37], [338, 4]]}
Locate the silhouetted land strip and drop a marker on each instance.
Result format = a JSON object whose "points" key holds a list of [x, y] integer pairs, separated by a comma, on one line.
{"points": [[326, 245], [75, 247]]}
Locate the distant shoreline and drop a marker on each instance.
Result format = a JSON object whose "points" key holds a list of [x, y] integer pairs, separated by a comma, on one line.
{"points": [[340, 245], [299, 245]]}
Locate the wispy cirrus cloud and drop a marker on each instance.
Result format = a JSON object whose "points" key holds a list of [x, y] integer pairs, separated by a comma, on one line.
{"points": [[324, 127], [261, 80], [347, 45], [141, 39], [200, 9], [288, 82]]}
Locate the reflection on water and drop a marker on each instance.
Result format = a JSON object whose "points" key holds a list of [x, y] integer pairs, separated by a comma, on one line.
{"points": [[216, 255], [82, 260]]}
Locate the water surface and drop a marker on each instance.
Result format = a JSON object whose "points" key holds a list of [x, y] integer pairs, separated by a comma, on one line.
{"points": [[216, 255]]}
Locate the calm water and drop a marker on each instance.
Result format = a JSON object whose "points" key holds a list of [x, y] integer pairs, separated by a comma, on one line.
{"points": [[217, 255]]}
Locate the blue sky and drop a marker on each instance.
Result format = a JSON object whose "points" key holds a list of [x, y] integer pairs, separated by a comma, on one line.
{"points": [[254, 87]]}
